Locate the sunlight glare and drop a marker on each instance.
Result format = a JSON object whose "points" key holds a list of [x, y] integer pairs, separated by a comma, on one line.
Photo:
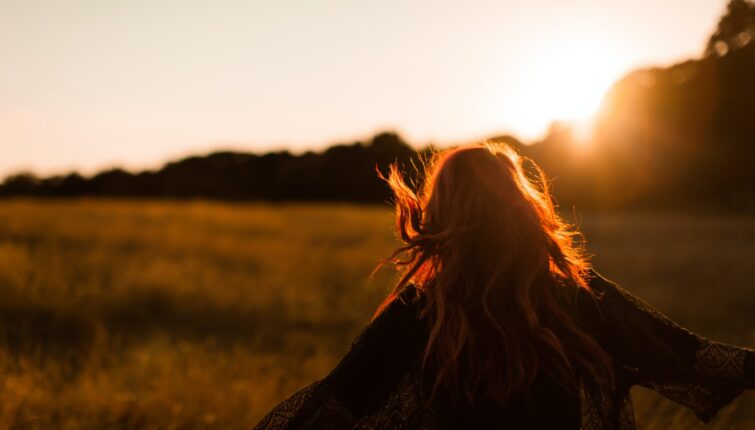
{"points": [[567, 83]]}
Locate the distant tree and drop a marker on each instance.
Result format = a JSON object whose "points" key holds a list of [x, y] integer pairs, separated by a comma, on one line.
{"points": [[20, 183], [735, 29]]}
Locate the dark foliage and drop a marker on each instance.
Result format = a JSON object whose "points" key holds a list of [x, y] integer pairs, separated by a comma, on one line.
{"points": [[342, 173], [735, 29], [681, 136]]}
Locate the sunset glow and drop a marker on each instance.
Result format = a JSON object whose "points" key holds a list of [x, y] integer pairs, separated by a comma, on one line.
{"points": [[89, 85], [567, 83]]}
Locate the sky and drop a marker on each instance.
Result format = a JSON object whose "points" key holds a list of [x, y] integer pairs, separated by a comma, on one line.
{"points": [[95, 84]]}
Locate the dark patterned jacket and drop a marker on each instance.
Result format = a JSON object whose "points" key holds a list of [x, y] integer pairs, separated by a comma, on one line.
{"points": [[379, 383]]}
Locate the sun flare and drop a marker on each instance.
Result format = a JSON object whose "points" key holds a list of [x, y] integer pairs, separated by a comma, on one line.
{"points": [[566, 83]]}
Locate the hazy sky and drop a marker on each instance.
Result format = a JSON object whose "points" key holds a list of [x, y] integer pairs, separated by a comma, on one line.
{"points": [[92, 84]]}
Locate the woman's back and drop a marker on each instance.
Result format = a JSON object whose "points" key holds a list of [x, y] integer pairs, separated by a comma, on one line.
{"points": [[379, 383], [390, 349], [498, 320]]}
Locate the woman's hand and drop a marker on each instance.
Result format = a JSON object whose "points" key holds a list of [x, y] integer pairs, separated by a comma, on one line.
{"points": [[750, 393]]}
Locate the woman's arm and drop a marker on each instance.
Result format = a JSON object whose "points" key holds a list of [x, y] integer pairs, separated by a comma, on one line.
{"points": [[699, 373], [364, 378], [380, 357]]}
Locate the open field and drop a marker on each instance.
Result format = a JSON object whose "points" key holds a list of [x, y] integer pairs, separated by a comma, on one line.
{"points": [[178, 315]]}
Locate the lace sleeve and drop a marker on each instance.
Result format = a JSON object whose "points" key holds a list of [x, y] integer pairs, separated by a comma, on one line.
{"points": [[689, 369], [312, 407], [719, 374]]}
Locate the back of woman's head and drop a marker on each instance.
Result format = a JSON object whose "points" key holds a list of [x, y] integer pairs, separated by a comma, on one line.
{"points": [[499, 270]]}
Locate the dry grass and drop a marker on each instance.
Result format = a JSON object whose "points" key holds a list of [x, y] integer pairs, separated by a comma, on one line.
{"points": [[154, 314]]}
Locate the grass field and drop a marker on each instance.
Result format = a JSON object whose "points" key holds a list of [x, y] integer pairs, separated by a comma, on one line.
{"points": [[181, 315]]}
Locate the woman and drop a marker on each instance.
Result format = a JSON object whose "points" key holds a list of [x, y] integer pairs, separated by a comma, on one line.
{"points": [[499, 322]]}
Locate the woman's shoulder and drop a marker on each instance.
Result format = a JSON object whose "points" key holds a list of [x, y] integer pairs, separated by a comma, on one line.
{"points": [[406, 303], [411, 296], [387, 348], [591, 303], [599, 284], [599, 292]]}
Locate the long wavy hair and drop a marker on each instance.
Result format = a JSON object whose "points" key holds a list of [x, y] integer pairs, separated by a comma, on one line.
{"points": [[499, 270]]}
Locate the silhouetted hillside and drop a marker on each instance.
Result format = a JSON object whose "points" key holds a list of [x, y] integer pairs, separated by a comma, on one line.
{"points": [[688, 130], [676, 137]]}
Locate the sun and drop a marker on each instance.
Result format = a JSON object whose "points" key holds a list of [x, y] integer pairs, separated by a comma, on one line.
{"points": [[566, 83]]}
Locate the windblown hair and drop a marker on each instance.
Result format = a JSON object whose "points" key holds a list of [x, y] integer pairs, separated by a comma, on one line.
{"points": [[500, 271]]}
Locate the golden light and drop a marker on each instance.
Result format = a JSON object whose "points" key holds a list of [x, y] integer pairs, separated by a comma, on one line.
{"points": [[567, 83]]}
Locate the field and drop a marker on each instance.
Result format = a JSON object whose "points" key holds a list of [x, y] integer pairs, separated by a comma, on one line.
{"points": [[181, 315]]}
